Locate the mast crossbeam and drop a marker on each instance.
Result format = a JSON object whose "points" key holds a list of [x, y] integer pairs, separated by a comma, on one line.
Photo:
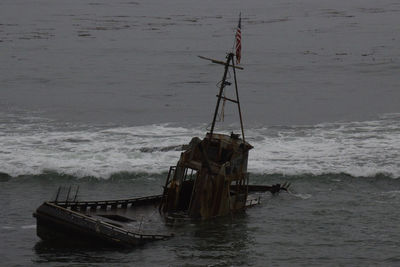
{"points": [[228, 99], [221, 62]]}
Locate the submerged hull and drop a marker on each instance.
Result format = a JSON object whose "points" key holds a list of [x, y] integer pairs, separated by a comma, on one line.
{"points": [[121, 223]]}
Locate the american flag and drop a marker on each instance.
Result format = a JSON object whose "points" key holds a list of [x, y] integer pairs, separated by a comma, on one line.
{"points": [[239, 41]]}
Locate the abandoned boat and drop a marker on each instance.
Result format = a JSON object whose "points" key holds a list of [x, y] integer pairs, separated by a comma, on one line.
{"points": [[209, 180]]}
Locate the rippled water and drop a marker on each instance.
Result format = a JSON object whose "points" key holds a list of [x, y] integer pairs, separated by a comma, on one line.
{"points": [[135, 62], [325, 220]]}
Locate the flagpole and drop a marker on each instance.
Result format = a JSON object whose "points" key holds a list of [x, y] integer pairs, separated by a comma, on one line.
{"points": [[238, 102]]}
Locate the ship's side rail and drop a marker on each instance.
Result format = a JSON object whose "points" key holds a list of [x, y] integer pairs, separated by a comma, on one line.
{"points": [[107, 204], [93, 225], [171, 174]]}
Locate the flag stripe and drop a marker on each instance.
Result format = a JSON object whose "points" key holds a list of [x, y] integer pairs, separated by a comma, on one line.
{"points": [[239, 41]]}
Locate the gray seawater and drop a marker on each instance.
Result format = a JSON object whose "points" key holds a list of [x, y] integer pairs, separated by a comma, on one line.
{"points": [[102, 94], [328, 220]]}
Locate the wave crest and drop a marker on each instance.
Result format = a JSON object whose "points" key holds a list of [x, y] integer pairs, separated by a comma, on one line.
{"points": [[360, 149]]}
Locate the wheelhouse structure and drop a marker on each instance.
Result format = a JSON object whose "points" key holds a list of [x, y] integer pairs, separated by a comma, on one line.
{"points": [[210, 178]]}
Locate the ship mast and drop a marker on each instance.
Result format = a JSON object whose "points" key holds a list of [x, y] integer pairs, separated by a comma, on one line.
{"points": [[229, 63]]}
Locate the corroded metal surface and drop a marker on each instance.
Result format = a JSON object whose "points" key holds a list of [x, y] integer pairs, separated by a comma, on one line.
{"points": [[210, 178]]}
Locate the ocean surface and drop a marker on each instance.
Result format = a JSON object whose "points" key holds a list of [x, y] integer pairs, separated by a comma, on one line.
{"points": [[103, 94]]}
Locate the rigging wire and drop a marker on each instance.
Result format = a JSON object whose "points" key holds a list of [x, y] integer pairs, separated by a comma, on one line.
{"points": [[221, 115]]}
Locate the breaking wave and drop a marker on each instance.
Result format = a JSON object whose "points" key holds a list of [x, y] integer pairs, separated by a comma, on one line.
{"points": [[33, 146], [57, 179]]}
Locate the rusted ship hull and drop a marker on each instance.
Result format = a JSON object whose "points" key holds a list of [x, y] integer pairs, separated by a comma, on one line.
{"points": [[122, 223]]}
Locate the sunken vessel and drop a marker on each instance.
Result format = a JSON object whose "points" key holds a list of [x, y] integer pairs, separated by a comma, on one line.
{"points": [[210, 179]]}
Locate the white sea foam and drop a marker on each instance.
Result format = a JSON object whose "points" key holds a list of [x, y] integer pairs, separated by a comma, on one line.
{"points": [[302, 196], [357, 148], [32, 226]]}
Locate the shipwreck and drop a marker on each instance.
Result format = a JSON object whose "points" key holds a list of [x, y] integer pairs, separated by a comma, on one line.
{"points": [[210, 179]]}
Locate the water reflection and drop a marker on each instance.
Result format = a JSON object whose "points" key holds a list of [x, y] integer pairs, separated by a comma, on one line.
{"points": [[218, 242]]}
